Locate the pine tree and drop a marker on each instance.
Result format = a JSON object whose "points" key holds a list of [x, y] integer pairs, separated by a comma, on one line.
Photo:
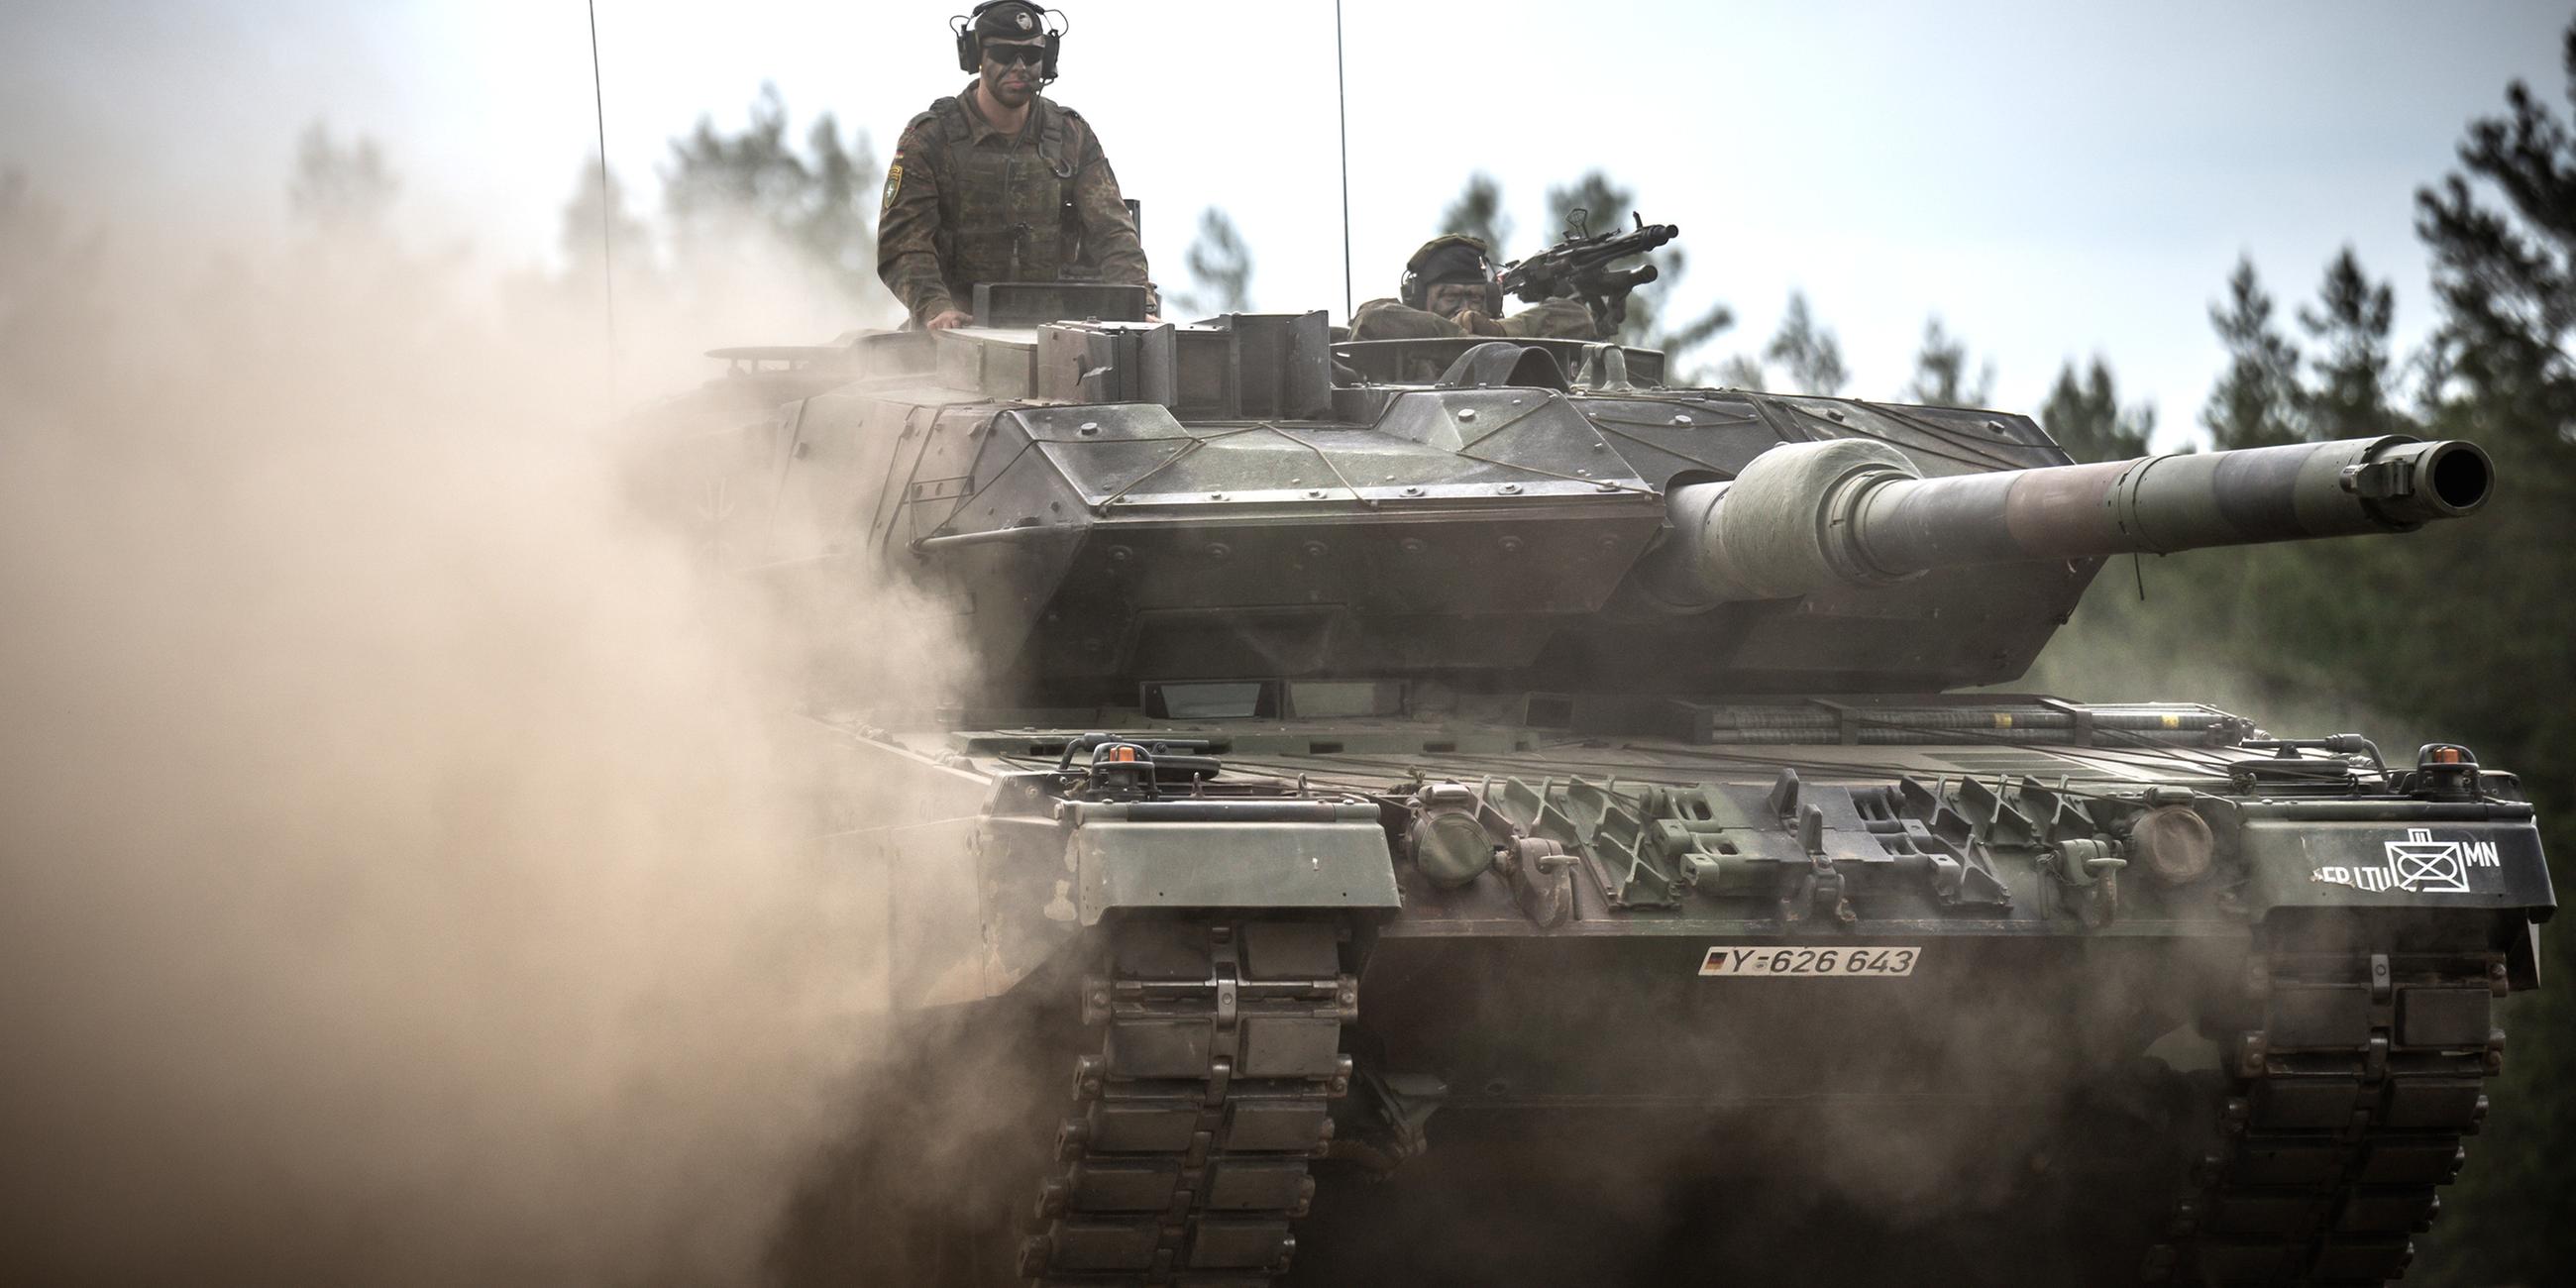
{"points": [[2256, 402], [836, 225], [1743, 371], [714, 174], [1811, 355], [2506, 278], [1220, 265], [819, 204], [2084, 415], [2350, 327], [337, 187], [1478, 212], [1940, 372], [593, 229]]}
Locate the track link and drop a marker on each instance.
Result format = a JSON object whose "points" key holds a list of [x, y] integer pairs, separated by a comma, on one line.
{"points": [[2343, 1115], [1185, 1160]]}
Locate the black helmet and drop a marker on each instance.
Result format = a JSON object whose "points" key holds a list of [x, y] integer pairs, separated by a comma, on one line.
{"points": [[1010, 20], [1450, 257]]}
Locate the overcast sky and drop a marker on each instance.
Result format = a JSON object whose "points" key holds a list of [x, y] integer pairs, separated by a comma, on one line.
{"points": [[2053, 179]]}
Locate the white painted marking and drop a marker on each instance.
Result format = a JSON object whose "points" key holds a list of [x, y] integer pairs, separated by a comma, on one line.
{"points": [[2417, 865]]}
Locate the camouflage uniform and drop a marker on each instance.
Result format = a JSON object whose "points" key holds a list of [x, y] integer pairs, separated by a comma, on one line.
{"points": [[1549, 319], [966, 204], [1456, 259]]}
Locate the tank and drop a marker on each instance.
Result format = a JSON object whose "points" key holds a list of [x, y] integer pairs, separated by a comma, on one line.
{"points": [[1453, 811]]}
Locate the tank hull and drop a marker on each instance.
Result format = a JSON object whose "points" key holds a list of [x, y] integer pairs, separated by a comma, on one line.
{"points": [[1462, 1082]]}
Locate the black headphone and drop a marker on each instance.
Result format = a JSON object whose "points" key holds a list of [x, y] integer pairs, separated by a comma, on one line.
{"points": [[1415, 292], [970, 45]]}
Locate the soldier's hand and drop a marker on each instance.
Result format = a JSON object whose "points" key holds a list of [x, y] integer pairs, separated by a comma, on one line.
{"points": [[946, 318], [1476, 323]]}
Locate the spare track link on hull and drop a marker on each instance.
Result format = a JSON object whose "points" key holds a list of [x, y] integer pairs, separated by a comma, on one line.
{"points": [[2343, 1114], [1186, 1157]]}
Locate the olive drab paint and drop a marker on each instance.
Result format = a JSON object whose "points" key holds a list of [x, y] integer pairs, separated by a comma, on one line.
{"points": [[1391, 745], [967, 204]]}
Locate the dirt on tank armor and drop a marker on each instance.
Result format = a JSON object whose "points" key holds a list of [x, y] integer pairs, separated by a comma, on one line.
{"points": [[1397, 745]]}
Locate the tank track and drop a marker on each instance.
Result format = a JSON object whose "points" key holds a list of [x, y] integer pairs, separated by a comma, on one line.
{"points": [[2343, 1113], [1185, 1160]]}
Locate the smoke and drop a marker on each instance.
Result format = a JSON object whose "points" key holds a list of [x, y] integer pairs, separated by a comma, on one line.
{"points": [[2139, 636], [1987, 1121], [406, 872]]}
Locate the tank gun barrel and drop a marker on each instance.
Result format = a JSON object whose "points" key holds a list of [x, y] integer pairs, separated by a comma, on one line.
{"points": [[1807, 517]]}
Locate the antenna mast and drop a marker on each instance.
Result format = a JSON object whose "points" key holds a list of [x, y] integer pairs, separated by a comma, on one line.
{"points": [[1341, 101], [607, 217]]}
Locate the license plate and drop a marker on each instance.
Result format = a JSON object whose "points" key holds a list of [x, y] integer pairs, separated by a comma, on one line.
{"points": [[1866, 962]]}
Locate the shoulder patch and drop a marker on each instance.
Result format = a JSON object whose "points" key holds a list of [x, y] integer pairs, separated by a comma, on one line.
{"points": [[894, 184]]}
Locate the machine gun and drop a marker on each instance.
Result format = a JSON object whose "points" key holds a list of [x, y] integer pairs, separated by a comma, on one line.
{"points": [[1579, 267]]}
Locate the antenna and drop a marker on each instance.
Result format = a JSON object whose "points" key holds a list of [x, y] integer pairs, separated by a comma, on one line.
{"points": [[1341, 101], [607, 217]]}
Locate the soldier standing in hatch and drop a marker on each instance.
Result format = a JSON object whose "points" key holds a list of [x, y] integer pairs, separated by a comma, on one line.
{"points": [[1449, 289], [1000, 183]]}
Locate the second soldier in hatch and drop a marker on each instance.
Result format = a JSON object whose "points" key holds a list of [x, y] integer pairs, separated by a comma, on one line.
{"points": [[1449, 289], [1000, 183]]}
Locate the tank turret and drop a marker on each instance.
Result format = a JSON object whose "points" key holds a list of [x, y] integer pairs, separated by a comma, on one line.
{"points": [[1124, 503]]}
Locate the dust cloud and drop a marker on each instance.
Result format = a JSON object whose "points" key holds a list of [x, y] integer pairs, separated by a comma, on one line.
{"points": [[405, 859], [2126, 647]]}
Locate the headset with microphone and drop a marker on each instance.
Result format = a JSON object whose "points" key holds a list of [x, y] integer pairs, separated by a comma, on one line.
{"points": [[970, 42]]}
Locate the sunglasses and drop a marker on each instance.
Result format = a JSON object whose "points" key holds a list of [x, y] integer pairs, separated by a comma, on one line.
{"points": [[1025, 55]]}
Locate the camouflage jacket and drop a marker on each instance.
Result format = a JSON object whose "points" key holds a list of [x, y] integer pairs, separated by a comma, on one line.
{"points": [[1549, 319], [965, 203]]}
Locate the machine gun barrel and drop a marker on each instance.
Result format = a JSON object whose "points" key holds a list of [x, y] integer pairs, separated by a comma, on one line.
{"points": [[1806, 517], [1580, 265]]}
